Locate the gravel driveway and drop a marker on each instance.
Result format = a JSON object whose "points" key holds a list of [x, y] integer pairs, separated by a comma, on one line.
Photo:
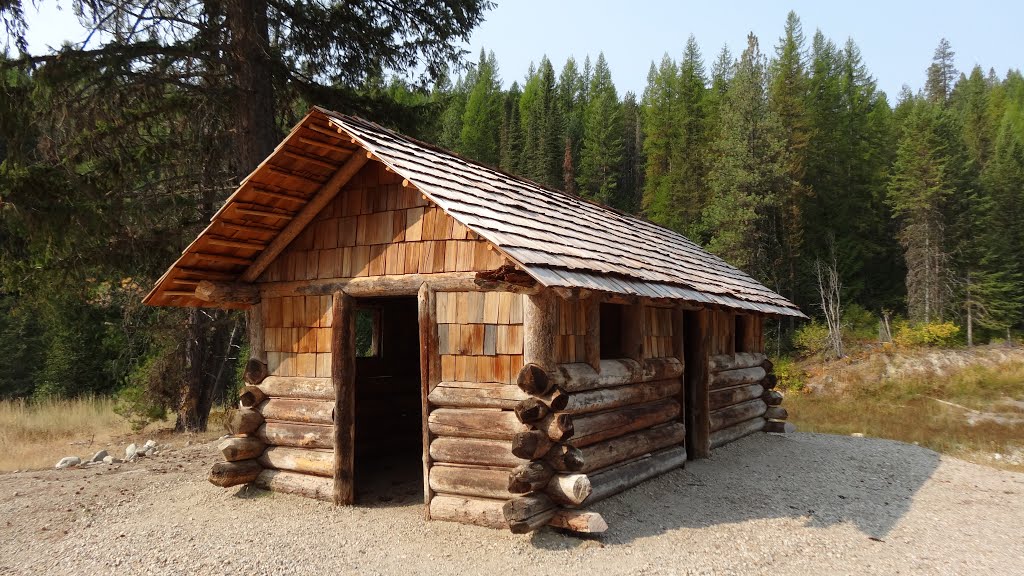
{"points": [[768, 504]]}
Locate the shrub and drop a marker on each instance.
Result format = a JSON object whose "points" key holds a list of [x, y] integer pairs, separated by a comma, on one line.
{"points": [[789, 375], [811, 338], [859, 324], [926, 334]]}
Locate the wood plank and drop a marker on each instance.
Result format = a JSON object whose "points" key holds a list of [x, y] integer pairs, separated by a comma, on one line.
{"points": [[344, 379]]}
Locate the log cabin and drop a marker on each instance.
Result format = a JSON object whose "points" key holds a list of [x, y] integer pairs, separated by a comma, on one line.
{"points": [[530, 351]]}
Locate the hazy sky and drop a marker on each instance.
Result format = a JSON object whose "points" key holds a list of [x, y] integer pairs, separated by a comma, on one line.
{"points": [[896, 37]]}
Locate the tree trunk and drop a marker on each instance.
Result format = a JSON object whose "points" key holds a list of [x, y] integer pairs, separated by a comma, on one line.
{"points": [[254, 106], [189, 419]]}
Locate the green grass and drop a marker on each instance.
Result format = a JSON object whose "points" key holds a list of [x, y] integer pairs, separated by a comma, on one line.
{"points": [[910, 410]]}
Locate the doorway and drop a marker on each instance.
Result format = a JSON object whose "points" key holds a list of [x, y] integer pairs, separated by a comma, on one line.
{"points": [[388, 419], [695, 383]]}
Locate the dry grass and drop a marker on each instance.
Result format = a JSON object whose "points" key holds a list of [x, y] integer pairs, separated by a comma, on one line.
{"points": [[36, 434], [969, 413]]}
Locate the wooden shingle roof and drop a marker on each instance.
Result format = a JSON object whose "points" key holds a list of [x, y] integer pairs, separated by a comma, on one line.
{"points": [[559, 239]]}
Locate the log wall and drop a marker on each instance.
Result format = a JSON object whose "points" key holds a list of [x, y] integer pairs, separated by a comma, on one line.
{"points": [[377, 227]]}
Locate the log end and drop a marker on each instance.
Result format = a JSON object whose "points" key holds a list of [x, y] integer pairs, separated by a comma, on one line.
{"points": [[227, 474], [533, 380], [255, 371]]}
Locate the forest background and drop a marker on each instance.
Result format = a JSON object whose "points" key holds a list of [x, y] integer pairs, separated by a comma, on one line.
{"points": [[786, 160]]}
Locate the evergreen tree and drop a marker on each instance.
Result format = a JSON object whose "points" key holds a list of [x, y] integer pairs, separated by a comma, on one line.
{"points": [[511, 132], [601, 155], [631, 174], [481, 121], [571, 94], [543, 144], [941, 74]]}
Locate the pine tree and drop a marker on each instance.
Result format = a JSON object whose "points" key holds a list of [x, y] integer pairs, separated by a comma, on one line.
{"points": [[601, 155], [661, 135], [631, 174], [481, 121], [542, 127], [511, 153], [571, 94], [941, 74]]}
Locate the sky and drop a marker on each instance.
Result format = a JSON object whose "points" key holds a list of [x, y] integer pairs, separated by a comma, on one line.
{"points": [[896, 37]]}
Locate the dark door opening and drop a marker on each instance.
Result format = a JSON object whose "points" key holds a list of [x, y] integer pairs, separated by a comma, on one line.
{"points": [[388, 436], [694, 385]]}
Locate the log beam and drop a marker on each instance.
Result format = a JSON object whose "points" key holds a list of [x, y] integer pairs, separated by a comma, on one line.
{"points": [[580, 377], [316, 487], [732, 433], [578, 521], [241, 448], [228, 292], [623, 448], [225, 474], [243, 421], [343, 370], [594, 428], [612, 398]]}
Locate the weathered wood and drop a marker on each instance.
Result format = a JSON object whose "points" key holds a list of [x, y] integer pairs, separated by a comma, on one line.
{"points": [[776, 413], [768, 366], [475, 423], [250, 396], [565, 458], [558, 426], [540, 322], [679, 348], [615, 479], [305, 485], [698, 334], [255, 371], [227, 292], [241, 448], [467, 510], [729, 396], [474, 451], [775, 426], [304, 411], [531, 445], [530, 477], [580, 377], [538, 520], [732, 433], [610, 398], [533, 380], [473, 395], [732, 415], [303, 460], [556, 400], [309, 211], [592, 338], [297, 387], [225, 474], [531, 410], [622, 448], [772, 397], [343, 371], [594, 428], [256, 334], [388, 285], [740, 377], [430, 375], [297, 435], [770, 382], [243, 421], [722, 362], [467, 481], [578, 521], [569, 489], [521, 508]]}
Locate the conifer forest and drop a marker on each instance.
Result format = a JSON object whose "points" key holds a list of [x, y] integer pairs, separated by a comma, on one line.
{"points": [[781, 155]]}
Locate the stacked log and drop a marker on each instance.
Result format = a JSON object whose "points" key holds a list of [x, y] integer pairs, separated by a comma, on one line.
{"points": [[742, 398], [244, 446], [591, 433]]}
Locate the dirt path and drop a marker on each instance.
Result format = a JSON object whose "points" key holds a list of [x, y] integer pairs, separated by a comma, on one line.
{"points": [[795, 504]]}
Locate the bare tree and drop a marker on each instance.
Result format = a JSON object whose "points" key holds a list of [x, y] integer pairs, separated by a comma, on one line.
{"points": [[829, 289]]}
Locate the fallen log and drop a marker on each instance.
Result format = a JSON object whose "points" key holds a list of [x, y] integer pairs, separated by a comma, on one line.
{"points": [[594, 428], [776, 413], [474, 451], [531, 410], [609, 398], [615, 450], [726, 435], [225, 474], [475, 423], [533, 380], [317, 487], [255, 372], [557, 426], [243, 421], [772, 397], [297, 435], [530, 477], [565, 458], [468, 510], [723, 362], [729, 396], [611, 481], [473, 395], [569, 489], [304, 411], [470, 481], [251, 396], [298, 387], [740, 377], [737, 413], [578, 521], [302, 460], [241, 448], [531, 445], [580, 377]]}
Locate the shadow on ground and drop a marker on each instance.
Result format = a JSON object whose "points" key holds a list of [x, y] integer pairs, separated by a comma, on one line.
{"points": [[819, 479]]}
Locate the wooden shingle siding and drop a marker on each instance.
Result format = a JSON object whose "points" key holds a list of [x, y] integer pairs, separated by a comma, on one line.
{"points": [[480, 336], [297, 335], [375, 227], [657, 332]]}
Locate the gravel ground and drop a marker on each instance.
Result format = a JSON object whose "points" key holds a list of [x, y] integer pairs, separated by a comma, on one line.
{"points": [[793, 504]]}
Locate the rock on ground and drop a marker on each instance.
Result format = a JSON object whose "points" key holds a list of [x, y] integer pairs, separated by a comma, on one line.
{"points": [[67, 462], [768, 504]]}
